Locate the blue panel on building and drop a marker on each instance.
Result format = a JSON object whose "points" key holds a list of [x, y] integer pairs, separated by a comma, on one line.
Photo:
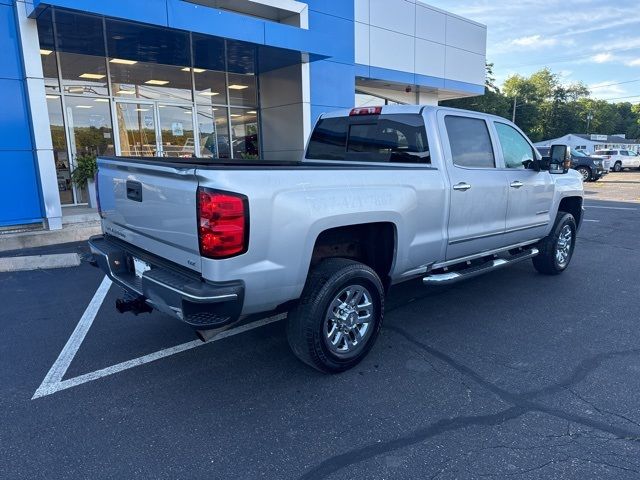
{"points": [[10, 66], [197, 18], [336, 34], [333, 83], [14, 122], [19, 197]]}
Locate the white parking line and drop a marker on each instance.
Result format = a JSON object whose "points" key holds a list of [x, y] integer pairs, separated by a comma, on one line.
{"points": [[69, 351], [594, 221], [53, 382]]}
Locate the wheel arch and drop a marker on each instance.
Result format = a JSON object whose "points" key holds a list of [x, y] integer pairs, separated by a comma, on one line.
{"points": [[572, 205], [374, 244]]}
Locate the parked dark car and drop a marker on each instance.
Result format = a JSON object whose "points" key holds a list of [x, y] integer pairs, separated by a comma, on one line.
{"points": [[591, 169]]}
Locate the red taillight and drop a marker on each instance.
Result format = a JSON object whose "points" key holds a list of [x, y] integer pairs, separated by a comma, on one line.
{"points": [[222, 223], [365, 111]]}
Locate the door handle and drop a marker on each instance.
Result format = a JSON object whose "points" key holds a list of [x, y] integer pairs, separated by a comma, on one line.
{"points": [[516, 184], [462, 186]]}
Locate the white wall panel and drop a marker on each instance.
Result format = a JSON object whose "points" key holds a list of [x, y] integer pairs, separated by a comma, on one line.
{"points": [[362, 43], [466, 35], [430, 24], [392, 50], [362, 11], [396, 15], [430, 58], [464, 66]]}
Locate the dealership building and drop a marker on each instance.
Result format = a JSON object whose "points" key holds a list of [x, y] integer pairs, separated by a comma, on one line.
{"points": [[205, 78]]}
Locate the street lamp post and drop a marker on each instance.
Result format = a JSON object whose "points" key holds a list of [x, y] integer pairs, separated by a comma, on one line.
{"points": [[589, 118]]}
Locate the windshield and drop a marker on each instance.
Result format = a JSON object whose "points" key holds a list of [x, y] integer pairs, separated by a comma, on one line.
{"points": [[578, 153]]}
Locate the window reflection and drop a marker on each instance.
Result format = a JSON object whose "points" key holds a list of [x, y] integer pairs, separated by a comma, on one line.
{"points": [[83, 74], [244, 127], [90, 132], [213, 126], [242, 90], [132, 79], [60, 156], [210, 86], [176, 130]]}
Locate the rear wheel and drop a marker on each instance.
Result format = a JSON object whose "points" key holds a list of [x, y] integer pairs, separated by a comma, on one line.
{"points": [[617, 167], [339, 315], [556, 250], [585, 173]]}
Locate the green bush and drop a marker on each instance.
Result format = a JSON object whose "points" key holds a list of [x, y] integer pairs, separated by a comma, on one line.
{"points": [[86, 168]]}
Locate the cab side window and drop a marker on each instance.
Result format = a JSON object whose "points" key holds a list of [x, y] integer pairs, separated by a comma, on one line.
{"points": [[515, 149], [470, 142]]}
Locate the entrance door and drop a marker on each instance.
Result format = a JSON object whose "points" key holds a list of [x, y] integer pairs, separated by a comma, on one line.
{"points": [[137, 129], [175, 130], [155, 129]]}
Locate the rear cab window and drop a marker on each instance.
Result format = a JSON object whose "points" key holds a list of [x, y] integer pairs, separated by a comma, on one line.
{"points": [[397, 138], [470, 142]]}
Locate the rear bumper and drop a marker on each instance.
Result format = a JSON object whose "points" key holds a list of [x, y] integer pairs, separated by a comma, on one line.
{"points": [[171, 290]]}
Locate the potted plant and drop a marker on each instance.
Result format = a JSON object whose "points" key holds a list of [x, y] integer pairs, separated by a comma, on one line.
{"points": [[84, 174]]}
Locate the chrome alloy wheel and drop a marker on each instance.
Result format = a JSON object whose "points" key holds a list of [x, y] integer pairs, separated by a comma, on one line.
{"points": [[349, 321], [563, 246]]}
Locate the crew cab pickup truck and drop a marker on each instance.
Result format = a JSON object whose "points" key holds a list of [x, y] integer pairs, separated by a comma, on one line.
{"points": [[383, 195]]}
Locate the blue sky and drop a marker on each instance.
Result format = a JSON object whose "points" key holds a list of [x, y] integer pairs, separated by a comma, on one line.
{"points": [[593, 41]]}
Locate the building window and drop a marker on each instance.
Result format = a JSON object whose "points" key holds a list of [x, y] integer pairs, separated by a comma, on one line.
{"points": [[60, 154], [121, 88], [367, 100]]}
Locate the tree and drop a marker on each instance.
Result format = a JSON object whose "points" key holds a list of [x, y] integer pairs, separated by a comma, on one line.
{"points": [[547, 108]]}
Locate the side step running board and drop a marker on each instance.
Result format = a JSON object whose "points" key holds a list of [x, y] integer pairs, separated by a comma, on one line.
{"points": [[454, 277]]}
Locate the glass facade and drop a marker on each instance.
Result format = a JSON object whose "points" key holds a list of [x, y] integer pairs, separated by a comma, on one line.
{"points": [[120, 88]]}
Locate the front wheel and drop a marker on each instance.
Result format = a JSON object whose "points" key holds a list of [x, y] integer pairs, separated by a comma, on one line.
{"points": [[585, 173], [556, 250], [617, 167], [339, 315]]}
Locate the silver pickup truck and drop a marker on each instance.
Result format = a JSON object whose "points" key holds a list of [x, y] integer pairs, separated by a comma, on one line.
{"points": [[383, 195]]}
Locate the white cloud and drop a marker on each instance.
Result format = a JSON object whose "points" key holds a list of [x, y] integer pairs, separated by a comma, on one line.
{"points": [[633, 63], [534, 40], [602, 58]]}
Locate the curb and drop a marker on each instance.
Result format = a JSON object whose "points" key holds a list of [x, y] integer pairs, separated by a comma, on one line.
{"points": [[73, 232], [39, 262]]}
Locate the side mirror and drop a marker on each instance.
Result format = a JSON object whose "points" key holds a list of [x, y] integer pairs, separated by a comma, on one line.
{"points": [[560, 159]]}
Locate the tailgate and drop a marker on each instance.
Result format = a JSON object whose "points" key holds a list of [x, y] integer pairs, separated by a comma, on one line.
{"points": [[151, 205]]}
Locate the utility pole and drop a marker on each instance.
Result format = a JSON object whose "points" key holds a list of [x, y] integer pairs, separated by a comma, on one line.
{"points": [[589, 118], [515, 105]]}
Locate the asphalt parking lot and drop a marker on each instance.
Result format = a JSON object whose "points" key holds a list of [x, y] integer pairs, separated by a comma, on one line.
{"points": [[510, 375]]}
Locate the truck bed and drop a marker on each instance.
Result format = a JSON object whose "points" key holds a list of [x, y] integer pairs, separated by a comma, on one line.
{"points": [[258, 164]]}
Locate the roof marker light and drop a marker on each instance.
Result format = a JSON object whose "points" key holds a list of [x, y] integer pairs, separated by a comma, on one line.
{"points": [[365, 111]]}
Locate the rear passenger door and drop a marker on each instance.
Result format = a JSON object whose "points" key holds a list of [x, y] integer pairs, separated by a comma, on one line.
{"points": [[478, 188], [530, 192]]}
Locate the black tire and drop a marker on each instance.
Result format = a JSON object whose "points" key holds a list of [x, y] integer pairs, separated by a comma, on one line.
{"points": [[585, 172], [547, 261], [307, 321], [617, 167]]}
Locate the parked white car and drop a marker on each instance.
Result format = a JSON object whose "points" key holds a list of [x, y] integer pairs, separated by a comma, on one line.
{"points": [[619, 159]]}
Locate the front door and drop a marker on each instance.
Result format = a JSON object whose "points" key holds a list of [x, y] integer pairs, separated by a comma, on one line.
{"points": [[478, 196], [530, 192], [155, 129]]}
